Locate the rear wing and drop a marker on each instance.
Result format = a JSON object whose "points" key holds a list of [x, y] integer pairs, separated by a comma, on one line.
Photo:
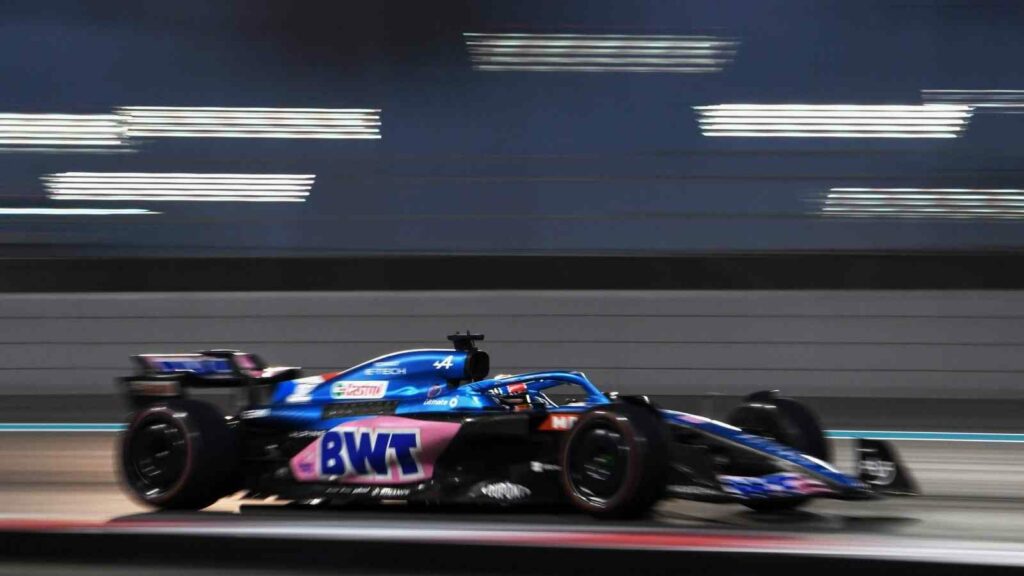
{"points": [[165, 376]]}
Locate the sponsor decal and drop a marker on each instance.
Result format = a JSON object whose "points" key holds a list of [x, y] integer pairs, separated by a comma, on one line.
{"points": [[448, 402], [506, 491], [369, 452], [389, 492], [348, 490], [386, 371], [435, 391], [359, 389], [559, 422], [260, 413], [378, 450], [303, 388], [189, 363], [781, 484], [371, 491], [446, 363]]}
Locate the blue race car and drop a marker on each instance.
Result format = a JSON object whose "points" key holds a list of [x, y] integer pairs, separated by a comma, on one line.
{"points": [[429, 426]]}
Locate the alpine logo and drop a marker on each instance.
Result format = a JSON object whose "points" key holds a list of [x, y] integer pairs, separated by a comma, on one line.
{"points": [[359, 389], [367, 453], [446, 363]]}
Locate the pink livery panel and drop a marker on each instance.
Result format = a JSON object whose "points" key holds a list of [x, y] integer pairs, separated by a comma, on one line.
{"points": [[378, 450]]}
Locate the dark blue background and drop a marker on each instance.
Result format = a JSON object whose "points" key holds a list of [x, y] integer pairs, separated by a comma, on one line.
{"points": [[510, 162]]}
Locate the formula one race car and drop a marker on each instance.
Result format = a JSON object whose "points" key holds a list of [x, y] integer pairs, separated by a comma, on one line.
{"points": [[428, 426]]}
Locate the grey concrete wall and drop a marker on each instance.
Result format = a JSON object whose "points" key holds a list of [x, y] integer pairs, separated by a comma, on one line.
{"points": [[812, 344]]}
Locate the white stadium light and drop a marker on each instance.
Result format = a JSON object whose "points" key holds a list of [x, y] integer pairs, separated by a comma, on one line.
{"points": [[981, 100], [215, 122], [598, 53], [59, 130], [67, 131], [833, 121], [996, 203], [179, 187], [73, 211]]}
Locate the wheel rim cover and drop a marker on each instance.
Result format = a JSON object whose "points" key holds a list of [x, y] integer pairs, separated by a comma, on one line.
{"points": [[157, 457], [598, 464]]}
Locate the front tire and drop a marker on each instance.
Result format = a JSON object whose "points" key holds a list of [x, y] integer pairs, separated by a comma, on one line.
{"points": [[615, 461], [785, 421], [181, 455]]}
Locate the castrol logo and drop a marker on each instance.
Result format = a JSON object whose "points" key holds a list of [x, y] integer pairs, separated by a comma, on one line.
{"points": [[359, 389]]}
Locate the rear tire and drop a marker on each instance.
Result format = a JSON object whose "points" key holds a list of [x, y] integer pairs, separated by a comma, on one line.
{"points": [[180, 455], [615, 461]]}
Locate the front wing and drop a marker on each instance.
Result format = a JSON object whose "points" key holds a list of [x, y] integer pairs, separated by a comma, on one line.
{"points": [[792, 475]]}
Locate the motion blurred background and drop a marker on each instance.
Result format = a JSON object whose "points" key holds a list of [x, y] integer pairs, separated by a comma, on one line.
{"points": [[687, 199], [475, 140], [301, 179]]}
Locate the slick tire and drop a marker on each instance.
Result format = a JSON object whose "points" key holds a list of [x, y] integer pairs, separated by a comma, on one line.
{"points": [[788, 422], [179, 455], [615, 461]]}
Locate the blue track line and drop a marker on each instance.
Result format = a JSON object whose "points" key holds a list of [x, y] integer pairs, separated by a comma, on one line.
{"points": [[933, 436], [834, 434]]}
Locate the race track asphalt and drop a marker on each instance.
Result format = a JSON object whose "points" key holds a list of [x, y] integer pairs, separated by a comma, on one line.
{"points": [[971, 490]]}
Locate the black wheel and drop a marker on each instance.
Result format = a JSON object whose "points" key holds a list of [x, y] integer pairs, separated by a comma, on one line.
{"points": [[180, 455], [615, 461], [788, 422]]}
